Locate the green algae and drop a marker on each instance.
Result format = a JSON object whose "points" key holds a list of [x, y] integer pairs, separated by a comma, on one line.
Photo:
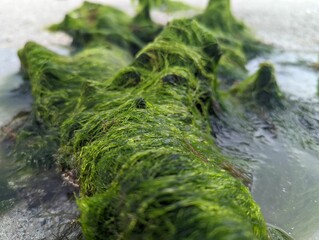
{"points": [[142, 144], [237, 42], [168, 6], [139, 138], [151, 193], [260, 89], [95, 24], [56, 84]]}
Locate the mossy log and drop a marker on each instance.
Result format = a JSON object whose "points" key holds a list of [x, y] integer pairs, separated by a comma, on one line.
{"points": [[138, 135], [141, 142]]}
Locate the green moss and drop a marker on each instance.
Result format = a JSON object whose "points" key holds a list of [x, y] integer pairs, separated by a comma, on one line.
{"points": [[237, 42], [57, 83], [98, 24], [141, 140], [260, 89]]}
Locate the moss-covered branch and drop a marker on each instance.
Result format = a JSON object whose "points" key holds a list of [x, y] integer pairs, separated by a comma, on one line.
{"points": [[144, 150], [136, 132]]}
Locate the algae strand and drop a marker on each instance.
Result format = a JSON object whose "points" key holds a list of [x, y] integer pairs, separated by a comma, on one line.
{"points": [[149, 168]]}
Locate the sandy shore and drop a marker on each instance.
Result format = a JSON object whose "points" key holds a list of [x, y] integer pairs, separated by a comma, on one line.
{"points": [[286, 23], [289, 24]]}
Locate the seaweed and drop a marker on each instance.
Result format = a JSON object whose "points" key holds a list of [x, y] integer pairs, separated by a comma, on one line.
{"points": [[260, 89], [56, 84], [137, 133], [141, 140], [237, 42], [97, 24], [145, 7]]}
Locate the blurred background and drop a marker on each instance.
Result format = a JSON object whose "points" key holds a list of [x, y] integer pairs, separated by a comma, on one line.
{"points": [[291, 24]]}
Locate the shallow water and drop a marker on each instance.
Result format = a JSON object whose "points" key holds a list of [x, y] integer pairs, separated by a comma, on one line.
{"points": [[285, 185], [294, 74], [282, 149], [7, 195], [286, 169], [12, 101]]}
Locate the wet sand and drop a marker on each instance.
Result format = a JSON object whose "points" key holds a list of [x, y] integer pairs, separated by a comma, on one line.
{"points": [[288, 24]]}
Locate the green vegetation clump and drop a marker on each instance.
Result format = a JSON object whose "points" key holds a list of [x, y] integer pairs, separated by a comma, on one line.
{"points": [[137, 132], [141, 140], [97, 24], [237, 42], [56, 85], [260, 89]]}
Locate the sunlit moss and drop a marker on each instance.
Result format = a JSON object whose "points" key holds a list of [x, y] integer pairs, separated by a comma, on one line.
{"points": [[141, 141], [95, 24], [99, 24], [236, 40]]}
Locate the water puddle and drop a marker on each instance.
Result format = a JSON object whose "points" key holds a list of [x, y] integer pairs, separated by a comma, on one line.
{"points": [[294, 73], [283, 147], [285, 186], [12, 101]]}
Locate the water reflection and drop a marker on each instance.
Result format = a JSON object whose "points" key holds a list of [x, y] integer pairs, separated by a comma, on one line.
{"points": [[294, 73], [284, 161], [7, 194], [12, 101]]}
